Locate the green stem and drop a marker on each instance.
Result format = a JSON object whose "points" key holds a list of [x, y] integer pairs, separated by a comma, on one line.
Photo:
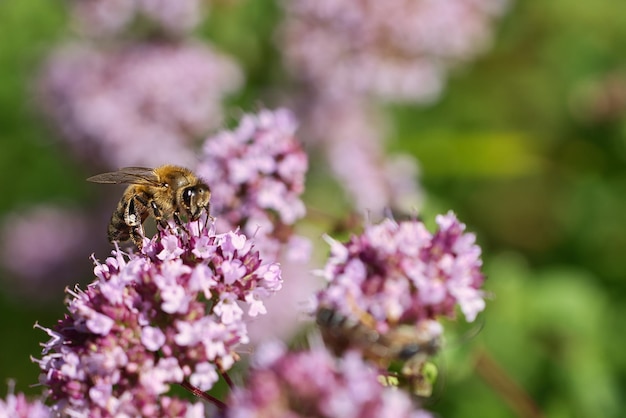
{"points": [[496, 377]]}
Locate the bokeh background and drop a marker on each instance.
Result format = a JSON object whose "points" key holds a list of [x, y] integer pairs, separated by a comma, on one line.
{"points": [[525, 139]]}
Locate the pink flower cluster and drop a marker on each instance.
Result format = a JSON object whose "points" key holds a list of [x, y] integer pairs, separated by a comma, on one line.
{"points": [[137, 105], [397, 50], [171, 314], [257, 173], [313, 384], [400, 273]]}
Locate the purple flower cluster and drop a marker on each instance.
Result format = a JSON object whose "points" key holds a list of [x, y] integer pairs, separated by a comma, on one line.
{"points": [[313, 384], [397, 50], [109, 17], [172, 314], [257, 173], [137, 105], [400, 273]]}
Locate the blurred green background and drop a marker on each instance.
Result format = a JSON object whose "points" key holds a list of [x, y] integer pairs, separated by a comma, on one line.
{"points": [[528, 147]]}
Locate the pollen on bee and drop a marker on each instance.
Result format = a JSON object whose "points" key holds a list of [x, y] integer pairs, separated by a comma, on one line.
{"points": [[387, 380]]}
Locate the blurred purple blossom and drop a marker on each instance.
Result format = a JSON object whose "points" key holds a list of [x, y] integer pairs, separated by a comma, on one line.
{"points": [[347, 53], [354, 148], [137, 105], [398, 50], [18, 406], [312, 383], [36, 244], [287, 310], [109, 17], [257, 173], [400, 273], [170, 314]]}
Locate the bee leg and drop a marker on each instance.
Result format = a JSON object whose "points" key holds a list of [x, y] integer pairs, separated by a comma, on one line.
{"points": [[179, 222], [177, 219], [158, 216], [156, 212], [137, 235], [133, 218]]}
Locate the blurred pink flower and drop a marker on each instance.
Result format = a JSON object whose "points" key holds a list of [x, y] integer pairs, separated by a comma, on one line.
{"points": [[37, 244], [138, 105], [396, 50], [354, 148], [347, 53], [313, 384], [18, 406], [287, 310], [109, 17]]}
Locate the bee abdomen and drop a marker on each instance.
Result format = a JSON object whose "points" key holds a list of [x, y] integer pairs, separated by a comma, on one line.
{"points": [[118, 229]]}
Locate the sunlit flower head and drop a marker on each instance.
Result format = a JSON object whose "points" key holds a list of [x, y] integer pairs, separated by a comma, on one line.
{"points": [[173, 312], [400, 273], [257, 172]]}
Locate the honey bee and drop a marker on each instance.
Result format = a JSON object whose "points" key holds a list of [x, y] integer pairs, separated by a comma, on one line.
{"points": [[164, 193], [405, 347]]}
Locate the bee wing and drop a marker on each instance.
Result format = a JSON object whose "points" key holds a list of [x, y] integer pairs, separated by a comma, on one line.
{"points": [[129, 175]]}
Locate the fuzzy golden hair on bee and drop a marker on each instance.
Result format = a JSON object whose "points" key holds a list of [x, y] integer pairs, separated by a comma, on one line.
{"points": [[164, 193]]}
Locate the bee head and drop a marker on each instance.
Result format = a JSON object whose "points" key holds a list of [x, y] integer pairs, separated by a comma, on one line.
{"points": [[195, 200]]}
